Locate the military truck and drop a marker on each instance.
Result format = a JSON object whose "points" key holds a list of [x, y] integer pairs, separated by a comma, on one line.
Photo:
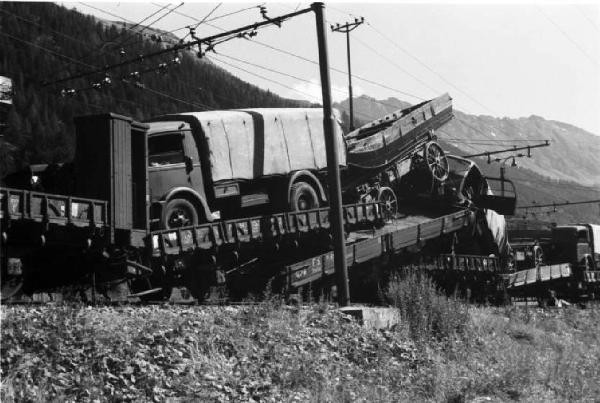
{"points": [[204, 166], [566, 266]]}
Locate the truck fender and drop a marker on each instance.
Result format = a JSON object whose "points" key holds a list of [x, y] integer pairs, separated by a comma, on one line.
{"points": [[193, 196], [310, 178]]}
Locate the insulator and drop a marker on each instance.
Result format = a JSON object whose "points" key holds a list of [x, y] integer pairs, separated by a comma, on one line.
{"points": [[122, 52], [67, 92], [96, 86], [253, 34], [106, 81], [135, 75], [176, 60]]}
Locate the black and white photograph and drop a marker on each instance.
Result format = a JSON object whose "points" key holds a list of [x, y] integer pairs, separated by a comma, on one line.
{"points": [[332, 201]]}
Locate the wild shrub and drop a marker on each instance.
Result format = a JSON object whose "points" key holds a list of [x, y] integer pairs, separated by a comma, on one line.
{"points": [[428, 313]]}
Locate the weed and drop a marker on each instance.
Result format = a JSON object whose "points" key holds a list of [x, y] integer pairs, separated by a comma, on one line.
{"points": [[428, 313]]}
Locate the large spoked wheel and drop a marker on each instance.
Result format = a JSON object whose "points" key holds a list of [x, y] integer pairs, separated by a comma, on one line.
{"points": [[389, 203], [303, 197], [436, 161], [179, 213]]}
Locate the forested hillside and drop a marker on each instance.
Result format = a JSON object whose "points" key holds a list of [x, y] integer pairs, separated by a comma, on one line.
{"points": [[43, 42]]}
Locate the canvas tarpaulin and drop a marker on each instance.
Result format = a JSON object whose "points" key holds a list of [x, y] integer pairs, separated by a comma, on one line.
{"points": [[250, 143], [596, 234]]}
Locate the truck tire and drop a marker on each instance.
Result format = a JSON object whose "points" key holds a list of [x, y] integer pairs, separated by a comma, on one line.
{"points": [[303, 197], [179, 213]]}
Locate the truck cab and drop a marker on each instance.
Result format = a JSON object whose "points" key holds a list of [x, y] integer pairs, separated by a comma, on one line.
{"points": [[577, 244], [177, 193]]}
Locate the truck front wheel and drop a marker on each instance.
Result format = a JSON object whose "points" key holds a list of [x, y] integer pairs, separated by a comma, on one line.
{"points": [[303, 197], [179, 213]]}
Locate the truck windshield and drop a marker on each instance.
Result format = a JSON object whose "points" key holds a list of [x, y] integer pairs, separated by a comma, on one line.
{"points": [[165, 149]]}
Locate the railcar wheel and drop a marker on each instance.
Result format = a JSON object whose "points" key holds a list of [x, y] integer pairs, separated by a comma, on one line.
{"points": [[179, 213], [387, 198], [436, 161], [303, 197]]}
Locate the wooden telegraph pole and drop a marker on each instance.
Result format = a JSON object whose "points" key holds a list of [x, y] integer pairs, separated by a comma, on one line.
{"points": [[333, 169], [347, 28]]}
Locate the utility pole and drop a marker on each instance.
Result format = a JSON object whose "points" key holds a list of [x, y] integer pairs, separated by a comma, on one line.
{"points": [[333, 169], [347, 28]]}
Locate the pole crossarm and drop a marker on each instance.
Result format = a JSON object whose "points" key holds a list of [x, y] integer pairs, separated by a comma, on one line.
{"points": [[349, 26], [507, 150], [559, 204], [186, 45]]}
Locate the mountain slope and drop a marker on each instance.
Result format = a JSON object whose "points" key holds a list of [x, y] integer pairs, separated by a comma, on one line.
{"points": [[573, 154]]}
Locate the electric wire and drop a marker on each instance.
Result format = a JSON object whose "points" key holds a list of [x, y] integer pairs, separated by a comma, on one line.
{"points": [[299, 57], [573, 42], [218, 17], [208, 15], [213, 58], [592, 23], [409, 54], [157, 92], [394, 107], [169, 11], [366, 45]]}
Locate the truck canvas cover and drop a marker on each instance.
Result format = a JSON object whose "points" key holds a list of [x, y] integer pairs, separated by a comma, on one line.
{"points": [[250, 143], [596, 237]]}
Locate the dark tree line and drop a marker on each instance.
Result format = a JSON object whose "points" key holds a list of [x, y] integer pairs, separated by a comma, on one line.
{"points": [[40, 123]]}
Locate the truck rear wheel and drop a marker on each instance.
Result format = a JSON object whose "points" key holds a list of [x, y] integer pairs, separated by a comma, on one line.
{"points": [[303, 197], [179, 213]]}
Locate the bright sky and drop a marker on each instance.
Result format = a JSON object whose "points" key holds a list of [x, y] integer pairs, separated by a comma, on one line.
{"points": [[510, 60]]}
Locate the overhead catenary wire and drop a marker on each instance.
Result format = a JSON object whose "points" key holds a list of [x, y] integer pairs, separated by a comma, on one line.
{"points": [[186, 45], [409, 54], [393, 63], [394, 107], [169, 11], [213, 58], [157, 92], [584, 14], [100, 48], [218, 17], [568, 37], [337, 70]]}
